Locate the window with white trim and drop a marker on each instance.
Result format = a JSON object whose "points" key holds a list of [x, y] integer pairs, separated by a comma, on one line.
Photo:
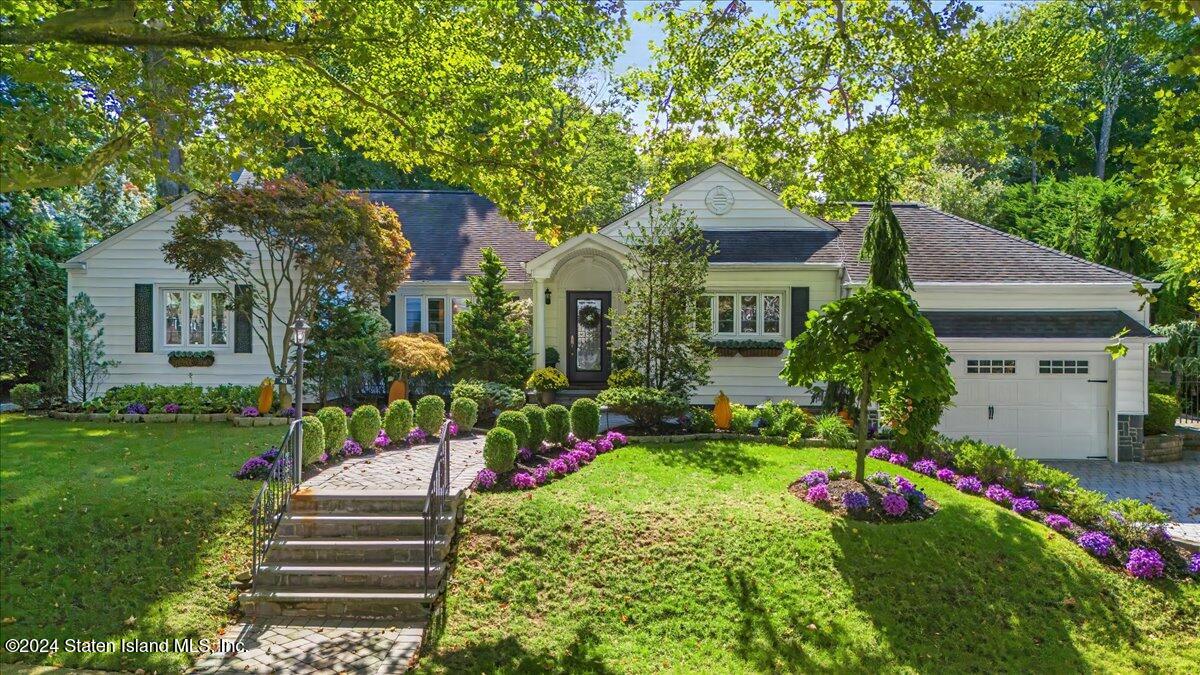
{"points": [[748, 314], [991, 366], [195, 317], [428, 314], [1063, 366]]}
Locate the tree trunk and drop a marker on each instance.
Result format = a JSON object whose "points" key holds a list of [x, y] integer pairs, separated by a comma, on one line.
{"points": [[164, 138], [1110, 111], [864, 400]]}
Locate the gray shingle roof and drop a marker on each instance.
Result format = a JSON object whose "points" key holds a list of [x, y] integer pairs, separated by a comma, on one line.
{"points": [[447, 229], [946, 248], [767, 245], [1058, 324]]}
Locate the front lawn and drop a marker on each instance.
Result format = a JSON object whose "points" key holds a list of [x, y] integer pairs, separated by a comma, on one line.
{"points": [[695, 557], [121, 531]]}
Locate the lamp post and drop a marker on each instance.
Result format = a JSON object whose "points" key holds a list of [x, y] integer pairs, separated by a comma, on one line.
{"points": [[299, 336]]}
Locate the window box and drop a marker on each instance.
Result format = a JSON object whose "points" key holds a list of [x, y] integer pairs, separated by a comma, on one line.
{"points": [[182, 359], [748, 348], [761, 351]]}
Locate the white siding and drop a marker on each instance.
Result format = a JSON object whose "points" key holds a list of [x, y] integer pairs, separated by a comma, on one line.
{"points": [[1131, 381], [135, 257], [1030, 296]]}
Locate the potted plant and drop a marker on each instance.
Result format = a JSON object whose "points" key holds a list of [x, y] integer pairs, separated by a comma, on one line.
{"points": [[546, 381]]}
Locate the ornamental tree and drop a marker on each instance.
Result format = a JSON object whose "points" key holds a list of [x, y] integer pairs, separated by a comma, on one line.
{"points": [[884, 244], [877, 341], [491, 337], [278, 248], [87, 366], [417, 354], [656, 333]]}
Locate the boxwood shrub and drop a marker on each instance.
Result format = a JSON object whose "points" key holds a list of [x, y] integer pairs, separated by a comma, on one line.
{"points": [[399, 419], [585, 419], [516, 422], [464, 412], [646, 406], [431, 413], [536, 417], [1164, 410], [314, 438], [490, 396], [558, 424], [500, 449], [365, 424], [333, 421]]}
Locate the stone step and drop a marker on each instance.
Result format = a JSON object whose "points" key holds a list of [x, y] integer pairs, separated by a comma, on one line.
{"points": [[353, 551], [382, 577], [353, 525], [394, 502], [337, 603]]}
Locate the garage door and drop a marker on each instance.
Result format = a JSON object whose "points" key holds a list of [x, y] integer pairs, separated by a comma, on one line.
{"points": [[1046, 406]]}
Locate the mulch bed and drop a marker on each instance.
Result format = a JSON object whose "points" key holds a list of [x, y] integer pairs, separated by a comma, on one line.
{"points": [[874, 512]]}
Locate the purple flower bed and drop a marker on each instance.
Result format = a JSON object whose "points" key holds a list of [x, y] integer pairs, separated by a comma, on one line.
{"points": [[998, 494], [904, 485], [351, 448], [898, 458], [571, 456], [486, 478], [1194, 564], [288, 412], [1057, 522], [855, 501], [969, 484], [452, 428], [894, 505], [524, 454], [382, 440], [1024, 505], [416, 435], [249, 411], [255, 467], [523, 480], [136, 409], [880, 452], [603, 445], [324, 458], [816, 477], [926, 467], [1096, 543], [880, 478], [541, 475], [618, 439], [172, 408], [1145, 563], [559, 466], [946, 475], [817, 493]]}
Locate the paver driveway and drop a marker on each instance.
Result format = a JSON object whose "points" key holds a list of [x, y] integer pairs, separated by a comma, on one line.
{"points": [[1173, 487]]}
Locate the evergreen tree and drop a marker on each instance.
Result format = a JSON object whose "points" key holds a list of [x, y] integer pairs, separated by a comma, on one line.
{"points": [[884, 244], [88, 368], [491, 340]]}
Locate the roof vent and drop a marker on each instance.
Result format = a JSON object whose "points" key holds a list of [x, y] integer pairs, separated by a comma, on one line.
{"points": [[719, 200]]}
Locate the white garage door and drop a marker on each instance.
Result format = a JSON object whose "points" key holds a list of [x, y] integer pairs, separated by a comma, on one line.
{"points": [[1046, 405]]}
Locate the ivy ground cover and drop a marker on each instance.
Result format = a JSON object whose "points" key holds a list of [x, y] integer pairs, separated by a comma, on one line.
{"points": [[694, 557], [121, 532]]}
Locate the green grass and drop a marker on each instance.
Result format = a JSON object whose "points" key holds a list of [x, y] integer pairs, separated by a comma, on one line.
{"points": [[694, 557], [121, 531]]}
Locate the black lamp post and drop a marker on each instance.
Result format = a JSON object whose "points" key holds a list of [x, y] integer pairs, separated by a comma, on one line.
{"points": [[299, 336]]}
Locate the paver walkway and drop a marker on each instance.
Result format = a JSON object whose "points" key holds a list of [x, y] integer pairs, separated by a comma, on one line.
{"points": [[1174, 487], [295, 645]]}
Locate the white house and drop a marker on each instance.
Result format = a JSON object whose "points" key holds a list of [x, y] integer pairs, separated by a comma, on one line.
{"points": [[1026, 325]]}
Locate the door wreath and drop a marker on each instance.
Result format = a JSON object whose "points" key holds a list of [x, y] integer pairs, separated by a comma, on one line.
{"points": [[589, 317]]}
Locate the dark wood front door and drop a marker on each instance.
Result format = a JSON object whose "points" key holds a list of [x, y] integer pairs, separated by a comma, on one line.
{"points": [[587, 337]]}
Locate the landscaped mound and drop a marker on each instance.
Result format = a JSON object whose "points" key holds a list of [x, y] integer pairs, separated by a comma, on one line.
{"points": [[882, 499]]}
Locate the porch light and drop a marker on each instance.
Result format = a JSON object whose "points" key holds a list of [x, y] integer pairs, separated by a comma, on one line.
{"points": [[300, 332], [547, 294]]}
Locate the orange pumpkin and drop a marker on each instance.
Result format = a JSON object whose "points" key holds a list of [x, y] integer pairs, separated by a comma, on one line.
{"points": [[398, 391], [722, 412], [266, 395]]}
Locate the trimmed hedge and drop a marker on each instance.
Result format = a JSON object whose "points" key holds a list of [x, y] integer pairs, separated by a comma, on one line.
{"points": [[314, 438], [333, 421], [558, 424], [465, 413], [1164, 410], [399, 419], [500, 449], [536, 417], [516, 422], [365, 424], [431, 414], [585, 419], [646, 406]]}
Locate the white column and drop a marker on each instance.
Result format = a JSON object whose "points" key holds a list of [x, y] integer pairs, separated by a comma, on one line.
{"points": [[539, 323]]}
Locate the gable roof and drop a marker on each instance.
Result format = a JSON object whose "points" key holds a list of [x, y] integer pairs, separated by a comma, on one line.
{"points": [[1102, 324]]}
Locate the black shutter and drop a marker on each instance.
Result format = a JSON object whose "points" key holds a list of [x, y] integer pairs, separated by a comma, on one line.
{"points": [[799, 309], [143, 318], [388, 309], [243, 332]]}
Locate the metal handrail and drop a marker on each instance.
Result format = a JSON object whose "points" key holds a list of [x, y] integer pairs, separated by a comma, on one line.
{"points": [[436, 501], [276, 490]]}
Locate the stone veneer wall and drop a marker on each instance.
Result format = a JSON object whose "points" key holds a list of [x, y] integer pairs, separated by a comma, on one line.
{"points": [[1130, 438]]}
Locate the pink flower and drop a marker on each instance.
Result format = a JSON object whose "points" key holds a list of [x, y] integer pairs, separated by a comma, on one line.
{"points": [[894, 504], [603, 445], [523, 480], [998, 493], [946, 475], [880, 452], [898, 458], [817, 493]]}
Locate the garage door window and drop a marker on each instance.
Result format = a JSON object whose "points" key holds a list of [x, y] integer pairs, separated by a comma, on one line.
{"points": [[991, 366], [1062, 367]]}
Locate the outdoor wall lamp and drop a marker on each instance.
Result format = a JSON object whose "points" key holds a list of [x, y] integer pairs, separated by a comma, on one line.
{"points": [[547, 294]]}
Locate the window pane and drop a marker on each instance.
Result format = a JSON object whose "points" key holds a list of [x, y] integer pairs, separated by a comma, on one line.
{"points": [[749, 314], [173, 312], [412, 315], [437, 317], [195, 318], [771, 313], [704, 314], [724, 313], [219, 319], [456, 305]]}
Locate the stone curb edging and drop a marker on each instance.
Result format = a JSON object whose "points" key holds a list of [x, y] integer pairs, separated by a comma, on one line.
{"points": [[166, 418], [777, 440]]}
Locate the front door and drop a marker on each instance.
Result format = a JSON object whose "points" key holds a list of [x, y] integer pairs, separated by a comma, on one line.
{"points": [[587, 337]]}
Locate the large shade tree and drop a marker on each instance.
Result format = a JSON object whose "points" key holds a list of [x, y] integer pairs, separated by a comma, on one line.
{"points": [[276, 249], [876, 341]]}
